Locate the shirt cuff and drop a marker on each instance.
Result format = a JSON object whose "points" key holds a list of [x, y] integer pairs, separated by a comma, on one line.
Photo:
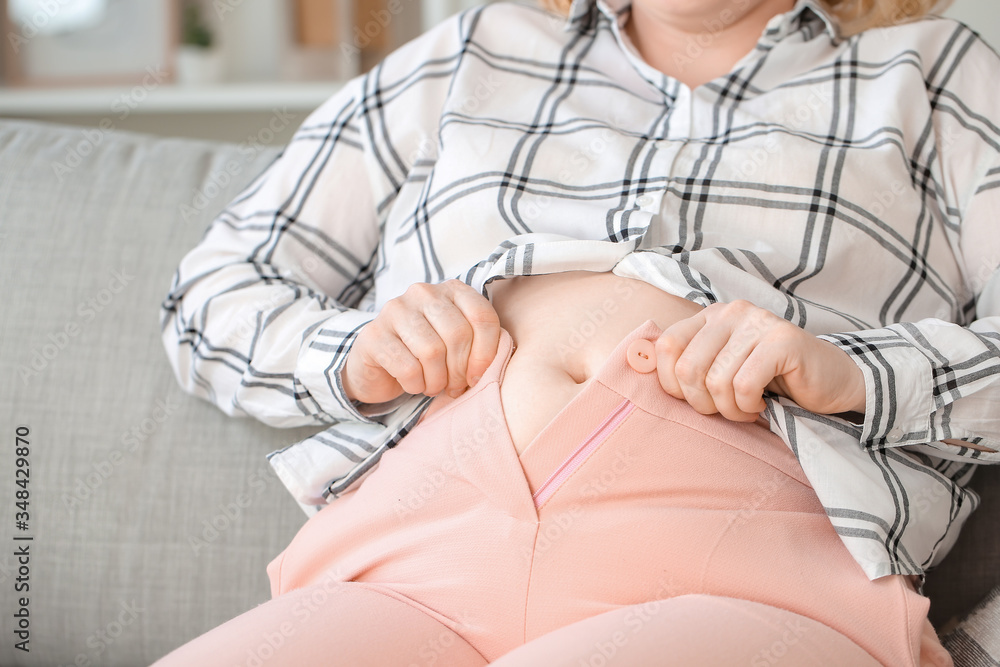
{"points": [[379, 409], [899, 388], [321, 360]]}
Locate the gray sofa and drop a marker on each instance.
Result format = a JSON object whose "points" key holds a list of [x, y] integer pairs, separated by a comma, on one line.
{"points": [[153, 515]]}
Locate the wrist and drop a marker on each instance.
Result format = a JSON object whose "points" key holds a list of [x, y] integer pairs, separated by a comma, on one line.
{"points": [[855, 409], [345, 382], [850, 388], [860, 393]]}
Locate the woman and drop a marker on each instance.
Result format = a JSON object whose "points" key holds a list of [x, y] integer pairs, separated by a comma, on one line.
{"points": [[650, 318]]}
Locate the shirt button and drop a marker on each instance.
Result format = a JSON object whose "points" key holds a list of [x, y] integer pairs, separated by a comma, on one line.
{"points": [[644, 200], [641, 355], [895, 435]]}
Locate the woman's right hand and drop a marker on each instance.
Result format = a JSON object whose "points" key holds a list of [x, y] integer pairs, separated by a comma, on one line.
{"points": [[434, 337]]}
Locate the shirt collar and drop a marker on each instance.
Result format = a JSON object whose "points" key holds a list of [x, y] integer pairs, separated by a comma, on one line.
{"points": [[778, 27]]}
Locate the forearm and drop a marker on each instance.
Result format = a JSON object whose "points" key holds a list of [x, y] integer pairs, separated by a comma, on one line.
{"points": [[261, 313], [929, 381]]}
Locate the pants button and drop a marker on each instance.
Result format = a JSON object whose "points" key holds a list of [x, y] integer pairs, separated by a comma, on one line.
{"points": [[641, 355]]}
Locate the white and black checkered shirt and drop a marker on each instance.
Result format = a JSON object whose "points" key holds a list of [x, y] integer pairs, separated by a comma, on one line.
{"points": [[851, 186]]}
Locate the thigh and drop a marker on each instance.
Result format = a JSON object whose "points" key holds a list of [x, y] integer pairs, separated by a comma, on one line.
{"points": [[691, 630], [338, 624]]}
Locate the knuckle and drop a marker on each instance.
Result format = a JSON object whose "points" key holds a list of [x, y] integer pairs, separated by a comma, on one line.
{"points": [[397, 350], [742, 386], [391, 308], [457, 333], [783, 332], [762, 318], [374, 329], [430, 350], [667, 345], [435, 306], [420, 289], [483, 317], [686, 370], [408, 370], [450, 288], [715, 383], [742, 306], [713, 309], [745, 312], [388, 353]]}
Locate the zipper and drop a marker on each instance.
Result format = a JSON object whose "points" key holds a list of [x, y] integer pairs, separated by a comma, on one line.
{"points": [[600, 434]]}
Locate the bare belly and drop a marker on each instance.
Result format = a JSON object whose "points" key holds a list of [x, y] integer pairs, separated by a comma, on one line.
{"points": [[564, 327]]}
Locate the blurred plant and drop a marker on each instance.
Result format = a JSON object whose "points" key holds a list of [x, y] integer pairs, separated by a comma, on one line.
{"points": [[194, 31]]}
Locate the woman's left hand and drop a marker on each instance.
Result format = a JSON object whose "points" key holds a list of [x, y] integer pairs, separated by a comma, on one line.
{"points": [[723, 359]]}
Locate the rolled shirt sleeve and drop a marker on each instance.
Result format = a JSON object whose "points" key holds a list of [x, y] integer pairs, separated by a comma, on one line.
{"points": [[928, 381], [262, 313], [249, 323]]}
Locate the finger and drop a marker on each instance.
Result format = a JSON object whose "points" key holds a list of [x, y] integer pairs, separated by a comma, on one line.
{"points": [[694, 363], [396, 359], [755, 376], [669, 346], [364, 377], [456, 332], [423, 343], [721, 378], [485, 322]]}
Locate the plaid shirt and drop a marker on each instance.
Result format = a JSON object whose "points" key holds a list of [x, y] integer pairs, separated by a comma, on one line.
{"points": [[851, 186]]}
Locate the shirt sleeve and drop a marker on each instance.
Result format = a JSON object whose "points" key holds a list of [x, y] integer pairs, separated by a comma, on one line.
{"points": [[262, 313], [933, 380]]}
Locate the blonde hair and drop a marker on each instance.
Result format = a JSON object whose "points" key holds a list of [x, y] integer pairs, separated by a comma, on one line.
{"points": [[853, 16]]}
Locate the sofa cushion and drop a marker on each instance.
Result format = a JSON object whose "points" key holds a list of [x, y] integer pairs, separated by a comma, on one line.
{"points": [[972, 568], [153, 514]]}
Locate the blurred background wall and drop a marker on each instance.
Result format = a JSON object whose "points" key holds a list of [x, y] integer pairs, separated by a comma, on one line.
{"points": [[233, 70]]}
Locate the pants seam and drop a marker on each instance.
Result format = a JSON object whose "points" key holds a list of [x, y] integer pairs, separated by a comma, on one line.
{"points": [[527, 586], [413, 604], [907, 614]]}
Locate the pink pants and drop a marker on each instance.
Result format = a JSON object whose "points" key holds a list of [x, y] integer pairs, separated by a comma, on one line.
{"points": [[631, 527]]}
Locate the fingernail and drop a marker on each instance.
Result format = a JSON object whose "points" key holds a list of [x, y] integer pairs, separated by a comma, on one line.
{"points": [[455, 393], [474, 380]]}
